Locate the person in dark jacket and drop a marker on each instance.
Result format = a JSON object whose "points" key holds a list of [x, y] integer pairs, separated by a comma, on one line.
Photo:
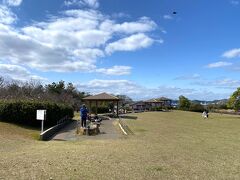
{"points": [[84, 115]]}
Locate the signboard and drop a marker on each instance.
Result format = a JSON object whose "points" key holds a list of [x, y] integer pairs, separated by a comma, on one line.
{"points": [[41, 114]]}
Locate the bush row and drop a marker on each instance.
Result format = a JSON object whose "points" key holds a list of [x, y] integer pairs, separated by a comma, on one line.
{"points": [[156, 109], [195, 107], [24, 112]]}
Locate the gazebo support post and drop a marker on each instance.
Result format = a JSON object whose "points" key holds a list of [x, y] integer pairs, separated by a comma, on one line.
{"points": [[96, 111], [117, 108], [90, 107]]}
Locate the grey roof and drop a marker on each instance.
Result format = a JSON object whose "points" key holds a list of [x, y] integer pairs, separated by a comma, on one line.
{"points": [[157, 100], [138, 103], [102, 96], [164, 99], [152, 101]]}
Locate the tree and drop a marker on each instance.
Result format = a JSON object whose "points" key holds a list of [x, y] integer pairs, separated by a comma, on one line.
{"points": [[57, 88], [70, 88], [184, 103], [124, 100], [234, 100]]}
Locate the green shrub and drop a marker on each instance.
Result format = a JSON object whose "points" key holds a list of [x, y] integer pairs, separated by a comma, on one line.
{"points": [[156, 109], [24, 112], [153, 109], [196, 107]]}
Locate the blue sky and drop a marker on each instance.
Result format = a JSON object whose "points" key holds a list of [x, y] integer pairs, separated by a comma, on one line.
{"points": [[137, 48]]}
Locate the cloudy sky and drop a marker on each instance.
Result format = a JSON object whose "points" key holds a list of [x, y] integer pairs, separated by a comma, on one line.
{"points": [[138, 48]]}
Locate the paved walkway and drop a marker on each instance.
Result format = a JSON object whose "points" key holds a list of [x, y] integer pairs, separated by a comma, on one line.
{"points": [[107, 131]]}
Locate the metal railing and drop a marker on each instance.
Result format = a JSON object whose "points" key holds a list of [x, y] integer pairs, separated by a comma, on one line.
{"points": [[63, 120]]}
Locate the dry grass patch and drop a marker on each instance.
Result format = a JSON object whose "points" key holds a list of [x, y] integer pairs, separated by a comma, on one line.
{"points": [[12, 131], [166, 145]]}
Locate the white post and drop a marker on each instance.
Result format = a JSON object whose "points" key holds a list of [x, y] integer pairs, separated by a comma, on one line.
{"points": [[42, 126]]}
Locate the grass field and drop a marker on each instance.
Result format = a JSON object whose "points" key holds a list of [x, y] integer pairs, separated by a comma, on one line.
{"points": [[166, 145]]}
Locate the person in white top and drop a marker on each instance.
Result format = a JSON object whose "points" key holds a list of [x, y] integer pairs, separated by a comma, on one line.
{"points": [[205, 115]]}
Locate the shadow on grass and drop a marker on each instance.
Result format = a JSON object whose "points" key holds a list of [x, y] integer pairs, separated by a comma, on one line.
{"points": [[26, 130], [28, 127], [129, 117], [33, 132], [156, 169]]}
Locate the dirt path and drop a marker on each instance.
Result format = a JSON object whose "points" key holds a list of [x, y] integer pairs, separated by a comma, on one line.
{"points": [[108, 131]]}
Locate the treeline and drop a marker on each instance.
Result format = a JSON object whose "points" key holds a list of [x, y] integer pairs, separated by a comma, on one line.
{"points": [[20, 100], [232, 103], [56, 92], [187, 105]]}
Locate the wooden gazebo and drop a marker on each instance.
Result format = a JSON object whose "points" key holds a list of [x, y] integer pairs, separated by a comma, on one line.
{"points": [[103, 97]]}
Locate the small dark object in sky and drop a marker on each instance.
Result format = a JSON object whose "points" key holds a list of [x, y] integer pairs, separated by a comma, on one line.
{"points": [[174, 12]]}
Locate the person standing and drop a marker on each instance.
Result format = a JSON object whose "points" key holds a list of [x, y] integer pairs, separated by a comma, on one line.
{"points": [[207, 114], [84, 115], [204, 114]]}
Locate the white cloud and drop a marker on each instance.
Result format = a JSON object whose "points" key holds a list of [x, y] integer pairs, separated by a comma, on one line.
{"points": [[234, 2], [19, 49], [88, 53], [109, 86], [6, 15], [139, 92], [88, 3], [144, 24], [219, 64], [71, 42], [92, 3], [17, 73], [167, 16], [131, 43], [188, 77], [225, 83], [163, 30], [206, 95], [232, 53], [12, 2], [120, 15], [115, 70]]}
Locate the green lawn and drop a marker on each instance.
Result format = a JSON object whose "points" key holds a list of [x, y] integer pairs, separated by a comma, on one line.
{"points": [[166, 145]]}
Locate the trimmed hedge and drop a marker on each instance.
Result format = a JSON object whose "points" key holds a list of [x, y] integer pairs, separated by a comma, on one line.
{"points": [[24, 112]]}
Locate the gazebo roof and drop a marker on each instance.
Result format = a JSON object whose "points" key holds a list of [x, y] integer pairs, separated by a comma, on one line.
{"points": [[102, 96]]}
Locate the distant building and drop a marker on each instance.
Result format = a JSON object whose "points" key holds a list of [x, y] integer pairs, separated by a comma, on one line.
{"points": [[150, 104], [139, 106], [153, 103], [166, 102]]}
